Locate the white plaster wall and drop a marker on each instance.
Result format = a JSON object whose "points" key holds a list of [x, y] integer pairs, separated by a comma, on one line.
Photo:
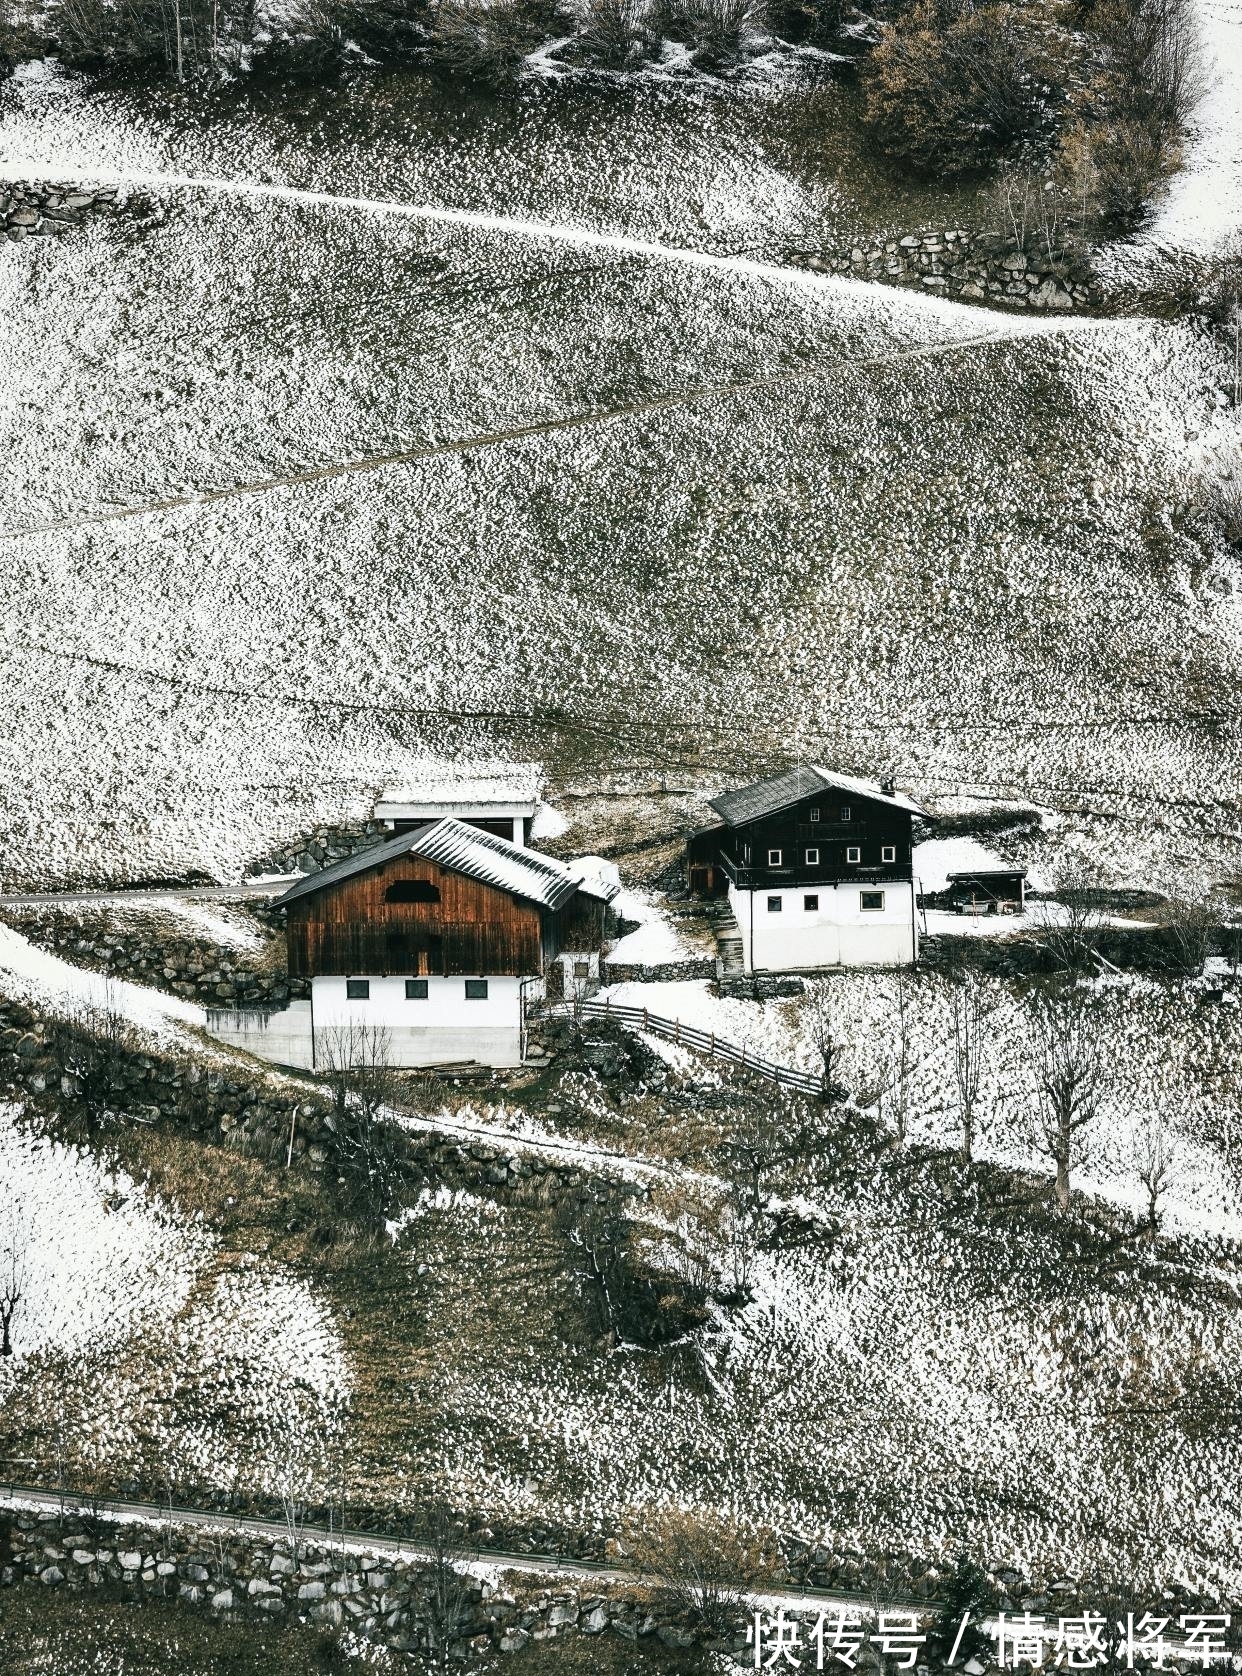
{"points": [[442, 1028], [839, 933], [283, 1036]]}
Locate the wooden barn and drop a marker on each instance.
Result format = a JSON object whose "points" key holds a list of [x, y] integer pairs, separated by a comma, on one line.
{"points": [[434, 938]]}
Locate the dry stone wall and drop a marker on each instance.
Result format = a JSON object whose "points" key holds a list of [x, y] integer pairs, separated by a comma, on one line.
{"points": [[969, 266], [39, 209]]}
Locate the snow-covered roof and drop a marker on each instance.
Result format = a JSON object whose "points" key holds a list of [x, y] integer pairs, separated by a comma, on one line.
{"points": [[768, 797], [596, 876], [500, 789], [939, 860], [462, 849]]}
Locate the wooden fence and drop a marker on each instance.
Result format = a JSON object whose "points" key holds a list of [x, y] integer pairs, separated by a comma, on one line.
{"points": [[688, 1035]]}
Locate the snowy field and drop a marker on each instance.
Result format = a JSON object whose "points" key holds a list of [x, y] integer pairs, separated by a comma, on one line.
{"points": [[141, 1346]]}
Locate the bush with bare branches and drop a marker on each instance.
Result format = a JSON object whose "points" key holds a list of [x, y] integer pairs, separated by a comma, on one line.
{"points": [[1066, 1061], [368, 1148], [704, 1564], [614, 34]]}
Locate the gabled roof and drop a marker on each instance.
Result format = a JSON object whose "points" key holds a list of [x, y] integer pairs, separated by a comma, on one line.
{"points": [[768, 797], [462, 849]]}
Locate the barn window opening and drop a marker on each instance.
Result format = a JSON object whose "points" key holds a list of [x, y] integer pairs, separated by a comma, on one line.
{"points": [[812, 858], [357, 989], [412, 890], [845, 811], [889, 852], [871, 901], [815, 813], [810, 904], [476, 989], [774, 858], [416, 989]]}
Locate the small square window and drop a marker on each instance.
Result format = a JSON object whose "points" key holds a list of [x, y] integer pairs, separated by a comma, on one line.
{"points": [[871, 901], [888, 852], [357, 989], [476, 989], [811, 904], [416, 989], [774, 858], [582, 968], [815, 813], [845, 811], [774, 904], [853, 854], [812, 858]]}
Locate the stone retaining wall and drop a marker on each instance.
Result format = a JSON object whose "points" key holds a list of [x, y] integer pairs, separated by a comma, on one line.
{"points": [[973, 267], [321, 847], [38, 209], [669, 971], [239, 1577], [145, 951]]}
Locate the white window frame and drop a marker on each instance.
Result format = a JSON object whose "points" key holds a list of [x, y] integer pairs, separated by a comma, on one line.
{"points": [[888, 852], [863, 909], [815, 813], [775, 858], [845, 812], [774, 904], [853, 855], [812, 858]]}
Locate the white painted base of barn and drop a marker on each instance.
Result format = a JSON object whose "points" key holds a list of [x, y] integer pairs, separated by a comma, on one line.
{"points": [[808, 927], [427, 1021]]}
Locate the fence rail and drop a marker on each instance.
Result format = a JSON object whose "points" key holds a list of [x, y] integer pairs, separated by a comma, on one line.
{"points": [[689, 1035]]}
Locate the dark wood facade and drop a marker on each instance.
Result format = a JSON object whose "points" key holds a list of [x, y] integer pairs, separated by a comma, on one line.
{"points": [[413, 917], [829, 837]]}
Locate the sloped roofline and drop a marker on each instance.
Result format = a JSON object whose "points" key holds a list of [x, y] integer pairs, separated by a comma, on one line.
{"points": [[462, 849], [782, 791]]}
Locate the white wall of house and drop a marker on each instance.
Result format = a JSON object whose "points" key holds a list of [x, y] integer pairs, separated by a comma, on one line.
{"points": [[441, 1027], [283, 1036], [837, 931]]}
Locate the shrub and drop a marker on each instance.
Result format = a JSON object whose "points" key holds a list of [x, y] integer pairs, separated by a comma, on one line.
{"points": [[806, 22], [317, 46], [475, 40], [717, 30], [949, 98], [704, 1564], [615, 34]]}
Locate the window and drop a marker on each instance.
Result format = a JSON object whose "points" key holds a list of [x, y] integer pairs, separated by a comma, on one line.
{"points": [[357, 989], [582, 968], [774, 904], [889, 852], [845, 811], [412, 890], [810, 904], [815, 813], [853, 854], [476, 989], [416, 989], [812, 858], [871, 901], [774, 858]]}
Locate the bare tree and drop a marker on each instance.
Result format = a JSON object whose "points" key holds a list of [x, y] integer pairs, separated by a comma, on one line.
{"points": [[703, 1562], [442, 1584], [831, 1048], [1073, 921], [1188, 923], [968, 1013], [363, 1086], [1070, 1080], [13, 1276], [1155, 1155], [293, 1492]]}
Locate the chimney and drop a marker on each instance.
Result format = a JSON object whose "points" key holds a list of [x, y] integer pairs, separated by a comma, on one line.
{"points": [[889, 787]]}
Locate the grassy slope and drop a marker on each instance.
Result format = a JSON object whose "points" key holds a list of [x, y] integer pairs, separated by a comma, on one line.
{"points": [[944, 564], [932, 1357]]}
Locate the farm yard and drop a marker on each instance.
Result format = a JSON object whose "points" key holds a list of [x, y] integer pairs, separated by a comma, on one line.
{"points": [[376, 425]]}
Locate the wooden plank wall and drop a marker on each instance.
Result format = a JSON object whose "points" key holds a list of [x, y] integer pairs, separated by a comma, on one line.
{"points": [[473, 929]]}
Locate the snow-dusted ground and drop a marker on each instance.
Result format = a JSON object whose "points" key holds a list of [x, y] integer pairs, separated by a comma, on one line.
{"points": [[56, 986], [1167, 1051], [135, 1339]]}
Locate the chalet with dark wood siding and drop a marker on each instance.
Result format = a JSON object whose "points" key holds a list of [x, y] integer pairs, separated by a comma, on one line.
{"points": [[818, 870], [434, 938]]}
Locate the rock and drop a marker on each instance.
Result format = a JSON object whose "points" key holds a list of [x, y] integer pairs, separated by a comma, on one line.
{"points": [[132, 1561], [222, 1602], [51, 1576], [312, 1591], [83, 1556], [595, 1621], [513, 1640]]}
